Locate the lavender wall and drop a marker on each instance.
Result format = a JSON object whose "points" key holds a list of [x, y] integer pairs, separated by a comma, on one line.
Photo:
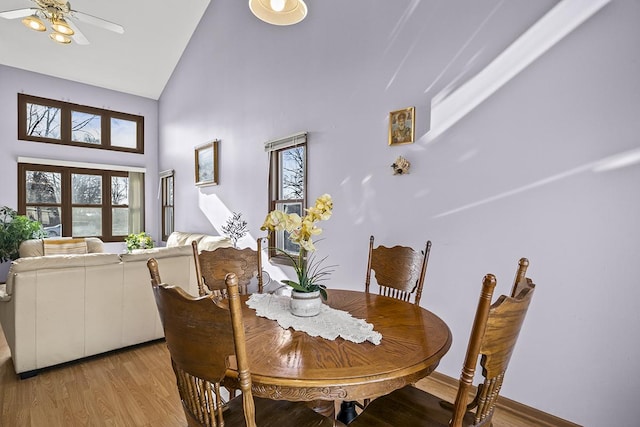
{"points": [[14, 81], [526, 173]]}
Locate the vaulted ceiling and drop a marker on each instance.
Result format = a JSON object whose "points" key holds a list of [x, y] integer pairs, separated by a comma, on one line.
{"points": [[138, 62]]}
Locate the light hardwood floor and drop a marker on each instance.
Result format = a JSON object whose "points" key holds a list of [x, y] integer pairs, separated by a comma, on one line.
{"points": [[128, 388]]}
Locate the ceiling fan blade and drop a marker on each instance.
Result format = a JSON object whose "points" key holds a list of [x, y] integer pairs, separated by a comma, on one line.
{"points": [[99, 22], [77, 36], [18, 13]]}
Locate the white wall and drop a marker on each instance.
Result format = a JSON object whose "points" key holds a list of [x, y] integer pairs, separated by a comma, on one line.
{"points": [[517, 176], [14, 81]]}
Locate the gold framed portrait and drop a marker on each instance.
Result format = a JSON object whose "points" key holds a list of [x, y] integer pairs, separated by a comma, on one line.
{"points": [[402, 126], [206, 163]]}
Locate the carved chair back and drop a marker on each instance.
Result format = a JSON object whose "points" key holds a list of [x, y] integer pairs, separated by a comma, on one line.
{"points": [[399, 271], [203, 335], [493, 337], [213, 266]]}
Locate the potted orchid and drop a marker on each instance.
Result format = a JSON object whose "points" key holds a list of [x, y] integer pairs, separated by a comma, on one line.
{"points": [[309, 272]]}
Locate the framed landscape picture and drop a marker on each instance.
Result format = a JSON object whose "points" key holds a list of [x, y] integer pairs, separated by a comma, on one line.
{"points": [[402, 126], [206, 163]]}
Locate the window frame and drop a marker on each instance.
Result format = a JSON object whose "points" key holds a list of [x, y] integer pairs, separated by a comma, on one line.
{"points": [[274, 148], [167, 178], [66, 204], [66, 109]]}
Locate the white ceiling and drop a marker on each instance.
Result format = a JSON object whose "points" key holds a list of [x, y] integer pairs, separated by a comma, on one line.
{"points": [[138, 62]]}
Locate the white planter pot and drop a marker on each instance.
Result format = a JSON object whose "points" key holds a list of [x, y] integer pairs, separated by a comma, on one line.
{"points": [[305, 304]]}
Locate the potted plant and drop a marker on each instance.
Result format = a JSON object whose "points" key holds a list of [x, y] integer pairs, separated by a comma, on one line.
{"points": [[15, 229], [307, 291], [138, 241]]}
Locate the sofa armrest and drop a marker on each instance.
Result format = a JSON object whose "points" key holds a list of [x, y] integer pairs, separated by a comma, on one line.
{"points": [[210, 243], [34, 247]]}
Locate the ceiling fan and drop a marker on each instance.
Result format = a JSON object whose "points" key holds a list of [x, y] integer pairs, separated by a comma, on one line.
{"points": [[61, 17]]}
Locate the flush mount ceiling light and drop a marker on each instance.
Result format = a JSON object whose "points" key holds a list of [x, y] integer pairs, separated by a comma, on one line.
{"points": [[279, 12]]}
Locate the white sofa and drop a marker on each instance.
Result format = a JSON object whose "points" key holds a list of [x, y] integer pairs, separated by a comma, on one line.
{"points": [[59, 308]]}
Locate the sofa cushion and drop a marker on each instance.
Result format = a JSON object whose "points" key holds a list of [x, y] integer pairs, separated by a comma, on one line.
{"points": [[35, 247], [64, 246]]}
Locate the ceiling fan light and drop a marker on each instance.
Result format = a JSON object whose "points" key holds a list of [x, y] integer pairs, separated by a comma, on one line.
{"points": [[277, 5], [60, 38], [33, 22], [61, 26], [291, 12]]}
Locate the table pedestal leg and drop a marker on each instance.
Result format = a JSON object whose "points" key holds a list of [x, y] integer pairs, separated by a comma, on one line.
{"points": [[347, 412], [323, 407]]}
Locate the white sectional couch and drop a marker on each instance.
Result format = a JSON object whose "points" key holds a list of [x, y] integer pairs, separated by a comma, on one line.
{"points": [[59, 308]]}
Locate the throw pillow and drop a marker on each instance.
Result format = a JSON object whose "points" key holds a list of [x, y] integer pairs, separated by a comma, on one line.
{"points": [[64, 246]]}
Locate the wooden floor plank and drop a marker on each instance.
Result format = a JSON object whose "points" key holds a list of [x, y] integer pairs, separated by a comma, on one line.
{"points": [[132, 387]]}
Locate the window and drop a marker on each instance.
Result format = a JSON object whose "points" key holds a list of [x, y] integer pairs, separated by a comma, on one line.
{"points": [[79, 202], [166, 191], [287, 186], [57, 122]]}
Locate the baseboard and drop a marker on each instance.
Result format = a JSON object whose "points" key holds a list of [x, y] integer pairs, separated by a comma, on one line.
{"points": [[532, 415]]}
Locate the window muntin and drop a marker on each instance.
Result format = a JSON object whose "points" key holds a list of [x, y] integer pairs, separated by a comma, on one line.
{"points": [[57, 122], [75, 202]]}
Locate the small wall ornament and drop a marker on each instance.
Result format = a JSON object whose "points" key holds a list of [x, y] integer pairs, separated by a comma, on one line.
{"points": [[401, 166]]}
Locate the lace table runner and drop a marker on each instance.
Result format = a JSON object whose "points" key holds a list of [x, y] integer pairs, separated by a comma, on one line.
{"points": [[329, 324]]}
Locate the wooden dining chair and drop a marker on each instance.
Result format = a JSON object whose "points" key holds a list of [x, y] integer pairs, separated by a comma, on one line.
{"points": [[494, 333], [399, 271], [212, 267], [205, 335]]}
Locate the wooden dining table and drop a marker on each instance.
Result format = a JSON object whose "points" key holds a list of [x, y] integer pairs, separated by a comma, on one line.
{"points": [[291, 365]]}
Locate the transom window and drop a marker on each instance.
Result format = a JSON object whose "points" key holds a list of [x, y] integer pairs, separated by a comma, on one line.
{"points": [[57, 122], [287, 186], [78, 202]]}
